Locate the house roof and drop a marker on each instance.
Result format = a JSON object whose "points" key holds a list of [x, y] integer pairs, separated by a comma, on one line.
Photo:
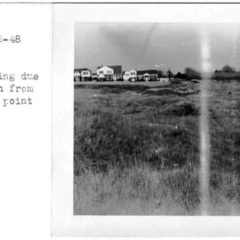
{"points": [[116, 69], [81, 69], [104, 68], [150, 71]]}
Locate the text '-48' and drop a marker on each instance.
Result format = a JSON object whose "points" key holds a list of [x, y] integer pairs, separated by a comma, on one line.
{"points": [[12, 39]]}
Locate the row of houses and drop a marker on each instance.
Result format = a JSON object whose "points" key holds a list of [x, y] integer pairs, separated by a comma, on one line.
{"points": [[114, 73]]}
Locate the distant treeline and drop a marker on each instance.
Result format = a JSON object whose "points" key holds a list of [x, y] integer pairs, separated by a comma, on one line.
{"points": [[226, 73]]}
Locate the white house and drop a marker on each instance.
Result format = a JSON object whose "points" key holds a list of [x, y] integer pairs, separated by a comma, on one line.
{"points": [[77, 76], [86, 75], [105, 71], [126, 76], [130, 75], [82, 74], [147, 75]]}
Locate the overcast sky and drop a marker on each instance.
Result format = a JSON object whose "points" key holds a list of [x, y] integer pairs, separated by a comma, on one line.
{"points": [[155, 45]]}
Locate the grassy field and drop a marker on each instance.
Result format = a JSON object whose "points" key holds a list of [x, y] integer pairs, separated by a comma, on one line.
{"points": [[136, 148]]}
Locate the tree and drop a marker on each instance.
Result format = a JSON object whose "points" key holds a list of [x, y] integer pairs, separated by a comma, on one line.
{"points": [[228, 69], [180, 75], [192, 73], [160, 73], [170, 74]]}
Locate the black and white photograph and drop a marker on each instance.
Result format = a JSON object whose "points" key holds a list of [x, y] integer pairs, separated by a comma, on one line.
{"points": [[156, 119], [119, 119]]}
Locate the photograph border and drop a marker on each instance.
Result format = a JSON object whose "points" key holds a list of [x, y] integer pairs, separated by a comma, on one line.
{"points": [[64, 223]]}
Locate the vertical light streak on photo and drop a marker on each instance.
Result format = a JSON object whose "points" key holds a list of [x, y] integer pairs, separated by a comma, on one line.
{"points": [[234, 29], [234, 43], [204, 124]]}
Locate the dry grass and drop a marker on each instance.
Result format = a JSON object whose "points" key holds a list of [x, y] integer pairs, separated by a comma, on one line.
{"points": [[136, 149], [139, 190]]}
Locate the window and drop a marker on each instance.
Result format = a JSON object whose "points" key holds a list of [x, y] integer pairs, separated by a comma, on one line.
{"points": [[85, 73]]}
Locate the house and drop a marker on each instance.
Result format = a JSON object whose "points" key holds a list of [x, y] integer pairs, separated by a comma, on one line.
{"points": [[147, 75], [105, 73], [77, 76], [94, 77], [117, 72], [163, 80], [126, 75], [130, 75], [85, 74], [110, 73]]}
